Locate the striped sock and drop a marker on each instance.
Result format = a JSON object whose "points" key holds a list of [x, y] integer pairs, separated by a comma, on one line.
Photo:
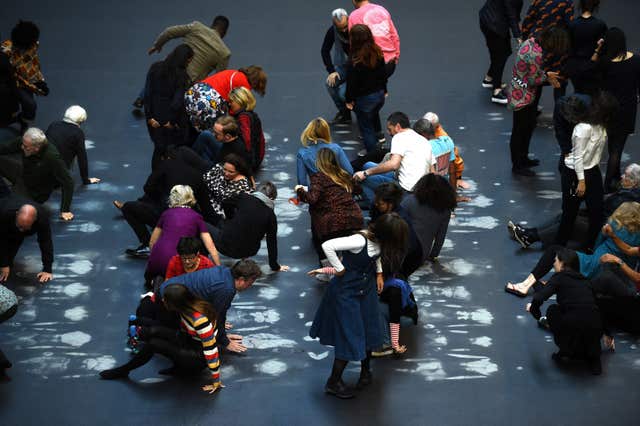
{"points": [[395, 334], [329, 270]]}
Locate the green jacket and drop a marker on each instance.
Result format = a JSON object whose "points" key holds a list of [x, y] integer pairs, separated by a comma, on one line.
{"points": [[43, 172]]}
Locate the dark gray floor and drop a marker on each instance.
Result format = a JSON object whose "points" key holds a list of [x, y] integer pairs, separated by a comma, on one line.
{"points": [[475, 358]]}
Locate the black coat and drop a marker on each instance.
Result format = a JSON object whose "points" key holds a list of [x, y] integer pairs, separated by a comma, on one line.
{"points": [[69, 139], [500, 16]]}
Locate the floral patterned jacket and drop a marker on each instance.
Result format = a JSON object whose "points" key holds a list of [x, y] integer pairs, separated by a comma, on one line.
{"points": [[528, 75]]}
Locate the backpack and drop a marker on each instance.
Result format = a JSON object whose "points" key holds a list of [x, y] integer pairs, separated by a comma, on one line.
{"points": [[255, 146]]}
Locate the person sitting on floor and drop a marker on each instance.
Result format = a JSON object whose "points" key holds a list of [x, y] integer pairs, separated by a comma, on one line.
{"points": [[68, 137], [188, 258], [249, 217], [574, 319]]}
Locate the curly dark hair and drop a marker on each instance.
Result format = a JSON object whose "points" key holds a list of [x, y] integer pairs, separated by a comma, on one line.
{"points": [[25, 34], [435, 191]]}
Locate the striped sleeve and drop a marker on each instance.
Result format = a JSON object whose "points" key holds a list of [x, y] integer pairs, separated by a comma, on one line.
{"points": [[206, 332]]}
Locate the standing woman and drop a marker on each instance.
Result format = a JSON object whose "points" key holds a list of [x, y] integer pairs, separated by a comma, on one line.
{"points": [[497, 18], [366, 83], [334, 213], [579, 170], [585, 32], [574, 319], [190, 350], [178, 221], [524, 95], [621, 77], [315, 137], [164, 101], [349, 316]]}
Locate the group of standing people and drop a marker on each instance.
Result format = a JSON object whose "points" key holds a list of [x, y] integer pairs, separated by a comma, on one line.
{"points": [[596, 286]]}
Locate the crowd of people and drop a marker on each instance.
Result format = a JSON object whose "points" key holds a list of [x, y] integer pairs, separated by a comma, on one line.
{"points": [[374, 220]]}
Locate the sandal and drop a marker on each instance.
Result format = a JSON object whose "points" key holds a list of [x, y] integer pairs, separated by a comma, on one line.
{"points": [[512, 288]]}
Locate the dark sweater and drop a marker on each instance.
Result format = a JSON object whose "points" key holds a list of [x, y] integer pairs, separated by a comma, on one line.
{"points": [[164, 95], [238, 147], [362, 80], [69, 139], [11, 237], [43, 172], [430, 225], [327, 44], [622, 79], [572, 290], [500, 16], [248, 221], [585, 33]]}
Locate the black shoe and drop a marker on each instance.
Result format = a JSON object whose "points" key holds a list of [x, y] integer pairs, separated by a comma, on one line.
{"points": [[499, 98], [487, 84], [114, 373], [523, 171], [531, 162], [138, 103], [559, 357], [543, 322], [522, 237], [141, 251], [381, 138], [364, 380], [338, 389], [342, 117]]}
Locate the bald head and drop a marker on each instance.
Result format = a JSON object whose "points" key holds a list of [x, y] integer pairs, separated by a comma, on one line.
{"points": [[26, 217]]}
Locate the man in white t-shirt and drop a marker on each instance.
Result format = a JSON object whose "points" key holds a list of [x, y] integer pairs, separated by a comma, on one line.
{"points": [[410, 158]]}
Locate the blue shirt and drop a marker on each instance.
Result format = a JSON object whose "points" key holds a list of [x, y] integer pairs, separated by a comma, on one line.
{"points": [[306, 160], [215, 285], [590, 263], [442, 150]]}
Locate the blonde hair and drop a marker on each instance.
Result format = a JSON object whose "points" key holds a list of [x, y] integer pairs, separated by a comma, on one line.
{"points": [[181, 196], [243, 97], [627, 216], [316, 131], [327, 163]]}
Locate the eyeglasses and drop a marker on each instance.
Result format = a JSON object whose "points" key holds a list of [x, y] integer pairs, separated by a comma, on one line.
{"points": [[189, 258]]}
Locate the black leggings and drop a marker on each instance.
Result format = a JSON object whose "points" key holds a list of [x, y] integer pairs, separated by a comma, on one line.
{"points": [[499, 51], [524, 123], [615, 145], [411, 262], [140, 215], [545, 263]]}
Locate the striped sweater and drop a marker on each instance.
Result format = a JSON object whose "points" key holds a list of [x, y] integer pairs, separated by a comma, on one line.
{"points": [[200, 328]]}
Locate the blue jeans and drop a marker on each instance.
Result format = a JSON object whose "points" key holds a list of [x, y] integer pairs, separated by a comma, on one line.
{"points": [[370, 184], [338, 91], [207, 147], [367, 109]]}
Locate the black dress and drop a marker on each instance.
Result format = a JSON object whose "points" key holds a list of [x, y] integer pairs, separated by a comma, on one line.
{"points": [[585, 33], [622, 80], [575, 320]]}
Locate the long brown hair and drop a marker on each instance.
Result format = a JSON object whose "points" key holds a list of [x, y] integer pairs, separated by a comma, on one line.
{"points": [[327, 163], [178, 298], [364, 49], [391, 232]]}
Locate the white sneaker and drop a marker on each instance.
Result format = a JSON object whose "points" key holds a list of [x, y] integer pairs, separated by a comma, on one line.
{"points": [[362, 153]]}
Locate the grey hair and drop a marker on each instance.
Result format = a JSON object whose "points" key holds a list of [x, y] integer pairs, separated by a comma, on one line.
{"points": [[339, 13], [268, 189], [36, 136], [75, 114], [433, 118], [425, 128], [181, 196], [632, 172]]}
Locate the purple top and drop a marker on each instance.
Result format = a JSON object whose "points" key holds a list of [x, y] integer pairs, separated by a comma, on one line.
{"points": [[176, 222]]}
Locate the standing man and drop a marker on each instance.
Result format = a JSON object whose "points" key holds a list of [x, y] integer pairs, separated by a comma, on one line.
{"points": [[335, 54], [68, 138], [378, 19], [17, 221], [42, 170], [209, 51], [218, 286]]}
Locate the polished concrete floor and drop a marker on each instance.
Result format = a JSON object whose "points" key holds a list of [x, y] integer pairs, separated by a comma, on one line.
{"points": [[476, 357]]}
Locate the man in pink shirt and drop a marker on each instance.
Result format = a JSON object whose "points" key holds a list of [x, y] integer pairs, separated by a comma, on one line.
{"points": [[378, 19]]}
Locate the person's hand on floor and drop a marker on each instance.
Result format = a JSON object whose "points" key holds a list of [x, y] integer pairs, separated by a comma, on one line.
{"points": [[283, 268], [4, 273], [44, 277], [236, 346], [66, 216], [94, 180]]}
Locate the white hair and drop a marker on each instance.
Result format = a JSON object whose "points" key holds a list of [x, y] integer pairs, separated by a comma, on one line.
{"points": [[432, 117], [339, 13], [181, 196], [632, 172], [36, 136], [75, 114]]}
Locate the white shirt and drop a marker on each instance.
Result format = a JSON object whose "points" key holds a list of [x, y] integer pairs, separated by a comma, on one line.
{"points": [[416, 157], [354, 244], [587, 145]]}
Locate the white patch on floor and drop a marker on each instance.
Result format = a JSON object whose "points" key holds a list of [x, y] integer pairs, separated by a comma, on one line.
{"points": [[81, 267], [270, 316], [480, 222], [481, 316], [272, 367], [459, 267], [89, 206], [100, 363], [89, 144], [483, 341], [549, 195], [75, 289], [152, 380], [284, 230], [281, 176], [431, 370], [76, 314], [46, 364], [268, 293], [480, 201], [75, 338], [267, 341], [482, 366], [318, 357]]}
